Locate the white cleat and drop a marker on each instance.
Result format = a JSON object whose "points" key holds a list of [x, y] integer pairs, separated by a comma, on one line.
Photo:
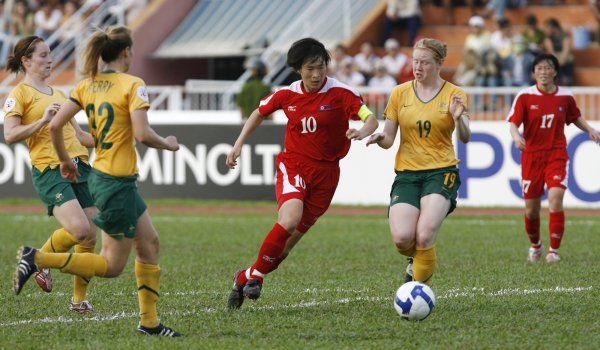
{"points": [[534, 255], [83, 307], [552, 257]]}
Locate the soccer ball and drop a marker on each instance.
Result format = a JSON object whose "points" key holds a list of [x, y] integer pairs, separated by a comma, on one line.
{"points": [[414, 301]]}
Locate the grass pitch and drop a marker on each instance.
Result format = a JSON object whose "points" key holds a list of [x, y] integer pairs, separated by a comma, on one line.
{"points": [[334, 291]]}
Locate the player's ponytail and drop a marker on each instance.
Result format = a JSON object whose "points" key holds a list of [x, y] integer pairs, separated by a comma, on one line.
{"points": [[23, 48], [105, 45]]}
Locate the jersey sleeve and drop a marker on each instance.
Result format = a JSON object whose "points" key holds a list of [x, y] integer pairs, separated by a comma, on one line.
{"points": [[354, 106], [77, 95], [391, 110], [517, 111], [573, 112], [14, 104], [138, 96], [272, 102]]}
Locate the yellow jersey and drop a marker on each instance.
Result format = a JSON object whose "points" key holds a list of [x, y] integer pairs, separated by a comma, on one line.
{"points": [[29, 104], [109, 100], [425, 127]]}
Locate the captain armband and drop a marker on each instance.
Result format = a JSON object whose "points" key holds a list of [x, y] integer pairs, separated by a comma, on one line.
{"points": [[364, 112]]}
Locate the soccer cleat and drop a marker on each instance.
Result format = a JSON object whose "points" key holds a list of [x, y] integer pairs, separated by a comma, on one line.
{"points": [[408, 276], [534, 254], [25, 267], [44, 280], [81, 307], [236, 297], [552, 257], [160, 330], [252, 289]]}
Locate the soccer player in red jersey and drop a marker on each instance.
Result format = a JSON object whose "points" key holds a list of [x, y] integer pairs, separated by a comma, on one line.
{"points": [[317, 136], [544, 109]]}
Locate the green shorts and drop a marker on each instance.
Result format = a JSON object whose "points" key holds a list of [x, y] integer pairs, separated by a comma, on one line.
{"points": [[119, 203], [54, 190], [410, 186]]}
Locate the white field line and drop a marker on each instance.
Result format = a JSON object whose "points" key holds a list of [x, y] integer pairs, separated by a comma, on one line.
{"points": [[453, 293], [218, 219]]}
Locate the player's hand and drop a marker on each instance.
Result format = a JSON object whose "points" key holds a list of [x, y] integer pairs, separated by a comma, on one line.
{"points": [[172, 144], [595, 136], [68, 170], [519, 142], [457, 107], [375, 138], [232, 157], [50, 112], [353, 134]]}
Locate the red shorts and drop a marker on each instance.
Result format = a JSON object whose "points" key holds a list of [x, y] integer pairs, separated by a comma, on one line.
{"points": [[312, 182], [545, 167]]}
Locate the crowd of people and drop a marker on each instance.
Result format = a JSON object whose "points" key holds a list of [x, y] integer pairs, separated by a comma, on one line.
{"points": [[22, 18]]}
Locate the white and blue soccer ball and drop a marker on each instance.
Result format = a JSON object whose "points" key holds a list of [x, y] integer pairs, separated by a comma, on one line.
{"points": [[414, 301]]}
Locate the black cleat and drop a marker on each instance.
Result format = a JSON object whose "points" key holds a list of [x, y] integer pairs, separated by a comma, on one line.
{"points": [[160, 330], [236, 297], [25, 267], [252, 289], [408, 276]]}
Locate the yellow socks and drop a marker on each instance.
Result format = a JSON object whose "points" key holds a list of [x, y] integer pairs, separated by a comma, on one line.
{"points": [[85, 265], [60, 241], [148, 282], [80, 284], [424, 264], [410, 251]]}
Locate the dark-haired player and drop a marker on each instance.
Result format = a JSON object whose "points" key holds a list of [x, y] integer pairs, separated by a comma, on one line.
{"points": [[317, 136]]}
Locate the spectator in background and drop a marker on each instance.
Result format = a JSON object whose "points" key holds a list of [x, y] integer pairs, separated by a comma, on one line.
{"points": [[396, 63], [517, 67], [366, 59], [69, 10], [502, 39], [595, 5], [349, 75], [127, 10], [47, 19], [21, 23], [534, 35], [254, 89], [382, 80], [403, 14], [466, 73], [340, 54], [488, 76], [479, 40], [4, 36], [558, 43]]}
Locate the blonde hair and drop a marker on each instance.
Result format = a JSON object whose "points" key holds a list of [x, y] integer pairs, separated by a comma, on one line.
{"points": [[436, 47], [106, 45]]}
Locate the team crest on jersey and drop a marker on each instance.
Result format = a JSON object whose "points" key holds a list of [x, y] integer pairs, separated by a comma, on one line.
{"points": [[325, 107], [142, 93], [534, 107], [9, 104], [291, 108], [561, 109]]}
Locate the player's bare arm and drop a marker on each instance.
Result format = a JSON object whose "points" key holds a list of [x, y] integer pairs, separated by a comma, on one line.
{"points": [[386, 138], [517, 138], [583, 125], [251, 124], [146, 135], [85, 138], [15, 131], [461, 119], [367, 129], [67, 111]]}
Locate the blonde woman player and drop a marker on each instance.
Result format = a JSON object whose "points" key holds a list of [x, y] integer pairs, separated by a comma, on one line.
{"points": [[116, 105], [427, 111], [28, 109]]}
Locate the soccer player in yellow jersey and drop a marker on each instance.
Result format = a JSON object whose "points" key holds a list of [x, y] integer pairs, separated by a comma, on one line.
{"points": [[116, 105], [28, 109], [426, 110]]}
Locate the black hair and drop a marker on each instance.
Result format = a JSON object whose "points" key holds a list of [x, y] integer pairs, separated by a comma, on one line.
{"points": [[503, 23], [305, 51], [554, 23], [531, 20], [546, 57]]}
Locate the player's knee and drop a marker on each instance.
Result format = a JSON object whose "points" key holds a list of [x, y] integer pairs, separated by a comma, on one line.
{"points": [[532, 213], [114, 268], [147, 251], [79, 228], [290, 221], [425, 237]]}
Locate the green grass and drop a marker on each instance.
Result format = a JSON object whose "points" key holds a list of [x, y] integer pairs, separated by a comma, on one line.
{"points": [[334, 291]]}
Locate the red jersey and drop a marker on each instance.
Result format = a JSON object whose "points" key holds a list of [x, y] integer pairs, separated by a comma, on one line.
{"points": [[543, 116], [317, 121]]}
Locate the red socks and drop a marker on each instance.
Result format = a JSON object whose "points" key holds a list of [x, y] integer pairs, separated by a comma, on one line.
{"points": [[532, 227], [268, 255], [556, 228]]}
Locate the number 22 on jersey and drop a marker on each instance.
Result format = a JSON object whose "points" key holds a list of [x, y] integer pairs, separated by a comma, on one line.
{"points": [[103, 108]]}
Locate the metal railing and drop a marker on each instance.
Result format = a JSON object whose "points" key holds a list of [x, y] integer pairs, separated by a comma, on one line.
{"points": [[208, 95]]}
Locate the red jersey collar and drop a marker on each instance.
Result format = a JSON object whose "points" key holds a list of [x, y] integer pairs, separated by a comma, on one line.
{"points": [[314, 92], [547, 93]]}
